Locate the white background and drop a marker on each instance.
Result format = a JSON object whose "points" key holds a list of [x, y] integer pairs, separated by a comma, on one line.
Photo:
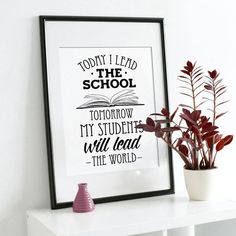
{"points": [[196, 30]]}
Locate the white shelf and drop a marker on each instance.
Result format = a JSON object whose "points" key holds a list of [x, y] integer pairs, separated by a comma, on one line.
{"points": [[130, 217]]}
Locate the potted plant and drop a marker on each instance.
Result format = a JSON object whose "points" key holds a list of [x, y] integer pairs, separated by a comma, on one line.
{"points": [[195, 136]]}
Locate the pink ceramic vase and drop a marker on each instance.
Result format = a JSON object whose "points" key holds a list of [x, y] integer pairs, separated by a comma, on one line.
{"points": [[83, 201]]}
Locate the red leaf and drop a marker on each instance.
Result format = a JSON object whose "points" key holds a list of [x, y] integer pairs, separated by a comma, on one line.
{"points": [[150, 122], [220, 89], [165, 112], [199, 85], [208, 87], [198, 72], [197, 80], [204, 120], [209, 134], [184, 81], [173, 115], [186, 118], [183, 77], [145, 127], [179, 142], [218, 82], [186, 135], [218, 137], [212, 128], [158, 127], [195, 115], [208, 99], [199, 93], [183, 149], [220, 94], [189, 64], [206, 126], [221, 103], [194, 130], [209, 127], [186, 111], [158, 134], [220, 145], [187, 95], [221, 114], [185, 72], [212, 74], [228, 139]]}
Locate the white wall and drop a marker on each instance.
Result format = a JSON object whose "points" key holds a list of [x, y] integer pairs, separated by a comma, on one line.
{"points": [[195, 30], [204, 31]]}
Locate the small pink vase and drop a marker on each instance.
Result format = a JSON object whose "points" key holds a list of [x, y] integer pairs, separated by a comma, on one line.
{"points": [[83, 201]]}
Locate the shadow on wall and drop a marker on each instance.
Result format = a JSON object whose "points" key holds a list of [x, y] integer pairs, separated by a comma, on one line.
{"points": [[35, 191], [30, 189]]}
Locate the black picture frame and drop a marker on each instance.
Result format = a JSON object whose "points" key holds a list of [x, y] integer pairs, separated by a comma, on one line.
{"points": [[47, 75]]}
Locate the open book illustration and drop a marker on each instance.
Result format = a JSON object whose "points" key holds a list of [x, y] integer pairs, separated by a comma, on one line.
{"points": [[125, 97]]}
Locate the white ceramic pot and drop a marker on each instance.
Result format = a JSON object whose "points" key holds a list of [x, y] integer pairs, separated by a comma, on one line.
{"points": [[201, 185]]}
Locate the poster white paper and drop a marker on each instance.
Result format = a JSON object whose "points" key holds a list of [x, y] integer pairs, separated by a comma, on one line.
{"points": [[105, 93]]}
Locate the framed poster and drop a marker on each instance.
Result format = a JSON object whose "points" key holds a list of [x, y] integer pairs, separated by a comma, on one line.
{"points": [[102, 76]]}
